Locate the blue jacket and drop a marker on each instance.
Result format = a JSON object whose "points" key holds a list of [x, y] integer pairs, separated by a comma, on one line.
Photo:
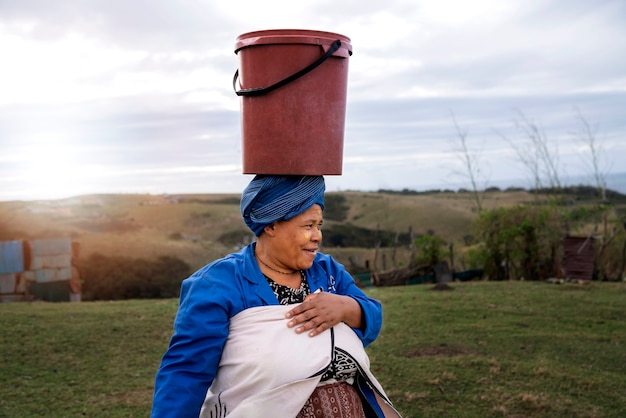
{"points": [[208, 299]]}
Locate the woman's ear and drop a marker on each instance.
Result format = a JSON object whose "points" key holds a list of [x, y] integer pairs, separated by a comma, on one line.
{"points": [[270, 229]]}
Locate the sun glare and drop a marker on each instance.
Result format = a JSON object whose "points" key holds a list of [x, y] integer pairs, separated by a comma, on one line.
{"points": [[50, 170]]}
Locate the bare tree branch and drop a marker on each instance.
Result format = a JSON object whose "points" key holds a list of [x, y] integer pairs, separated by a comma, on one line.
{"points": [[471, 163], [588, 136], [536, 153]]}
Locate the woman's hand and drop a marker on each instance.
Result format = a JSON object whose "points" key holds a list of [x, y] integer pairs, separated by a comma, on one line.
{"points": [[321, 311]]}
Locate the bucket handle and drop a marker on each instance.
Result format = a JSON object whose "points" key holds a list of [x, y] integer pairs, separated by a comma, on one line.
{"points": [[258, 91]]}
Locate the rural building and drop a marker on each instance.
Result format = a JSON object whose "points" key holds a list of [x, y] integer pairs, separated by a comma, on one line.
{"points": [[40, 269], [578, 258]]}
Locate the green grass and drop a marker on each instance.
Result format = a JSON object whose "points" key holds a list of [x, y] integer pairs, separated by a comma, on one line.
{"points": [[81, 359], [504, 350], [485, 349]]}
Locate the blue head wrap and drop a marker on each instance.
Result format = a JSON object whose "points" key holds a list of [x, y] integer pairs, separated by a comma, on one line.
{"points": [[268, 199]]}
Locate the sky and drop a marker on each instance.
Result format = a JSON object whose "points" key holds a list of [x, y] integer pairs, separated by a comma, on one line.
{"points": [[136, 96]]}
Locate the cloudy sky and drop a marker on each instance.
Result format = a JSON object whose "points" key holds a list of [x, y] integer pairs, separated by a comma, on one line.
{"points": [[136, 96]]}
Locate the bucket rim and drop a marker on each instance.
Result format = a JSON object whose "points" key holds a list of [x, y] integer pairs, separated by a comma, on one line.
{"points": [[291, 36]]}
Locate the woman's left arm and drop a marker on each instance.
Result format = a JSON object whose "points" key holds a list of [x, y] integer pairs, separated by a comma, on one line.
{"points": [[370, 309], [323, 310]]}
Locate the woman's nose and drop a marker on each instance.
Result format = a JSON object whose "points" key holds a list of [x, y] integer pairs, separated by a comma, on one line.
{"points": [[316, 235]]}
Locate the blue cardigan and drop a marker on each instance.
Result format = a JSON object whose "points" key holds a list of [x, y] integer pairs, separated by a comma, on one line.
{"points": [[208, 299]]}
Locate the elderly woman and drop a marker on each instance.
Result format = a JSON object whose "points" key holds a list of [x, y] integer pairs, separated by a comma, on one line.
{"points": [[277, 329]]}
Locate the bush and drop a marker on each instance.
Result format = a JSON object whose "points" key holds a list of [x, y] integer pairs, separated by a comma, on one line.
{"points": [[113, 278], [237, 238], [520, 242], [348, 235], [335, 207], [431, 250], [476, 256]]}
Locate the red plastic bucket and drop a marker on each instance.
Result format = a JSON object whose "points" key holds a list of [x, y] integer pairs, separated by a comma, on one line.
{"points": [[293, 86]]}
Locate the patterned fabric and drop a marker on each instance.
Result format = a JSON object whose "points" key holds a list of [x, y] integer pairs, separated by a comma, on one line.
{"points": [[342, 367], [337, 400], [287, 295], [268, 199]]}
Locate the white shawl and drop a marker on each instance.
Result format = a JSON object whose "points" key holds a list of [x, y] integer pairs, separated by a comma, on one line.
{"points": [[267, 370]]}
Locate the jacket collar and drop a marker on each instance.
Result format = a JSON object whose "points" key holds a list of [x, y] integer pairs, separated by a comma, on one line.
{"points": [[252, 273]]}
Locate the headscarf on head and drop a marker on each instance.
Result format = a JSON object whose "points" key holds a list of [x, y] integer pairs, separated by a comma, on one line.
{"points": [[268, 199]]}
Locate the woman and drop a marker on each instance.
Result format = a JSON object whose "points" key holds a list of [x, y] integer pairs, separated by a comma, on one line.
{"points": [[277, 329]]}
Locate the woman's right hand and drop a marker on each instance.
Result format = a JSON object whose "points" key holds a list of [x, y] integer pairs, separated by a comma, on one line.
{"points": [[321, 311]]}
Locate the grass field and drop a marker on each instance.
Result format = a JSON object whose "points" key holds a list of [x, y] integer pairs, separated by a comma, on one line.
{"points": [[485, 349]]}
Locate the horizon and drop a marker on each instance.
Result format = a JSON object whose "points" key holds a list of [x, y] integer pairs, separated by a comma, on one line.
{"points": [[617, 184]]}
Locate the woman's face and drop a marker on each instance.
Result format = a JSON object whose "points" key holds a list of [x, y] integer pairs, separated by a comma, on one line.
{"points": [[297, 240]]}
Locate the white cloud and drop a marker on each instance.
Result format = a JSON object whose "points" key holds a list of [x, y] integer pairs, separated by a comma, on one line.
{"points": [[144, 87]]}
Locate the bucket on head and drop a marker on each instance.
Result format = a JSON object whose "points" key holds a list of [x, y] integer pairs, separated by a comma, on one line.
{"points": [[293, 86]]}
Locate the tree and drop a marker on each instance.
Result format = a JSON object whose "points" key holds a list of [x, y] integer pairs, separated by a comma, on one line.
{"points": [[519, 242], [431, 249], [471, 164], [605, 228], [536, 153], [587, 135]]}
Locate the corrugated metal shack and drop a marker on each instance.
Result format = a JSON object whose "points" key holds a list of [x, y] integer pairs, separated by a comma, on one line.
{"points": [[578, 258], [11, 266], [41, 269]]}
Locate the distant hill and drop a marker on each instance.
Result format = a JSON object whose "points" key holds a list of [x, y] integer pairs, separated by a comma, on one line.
{"points": [[201, 228]]}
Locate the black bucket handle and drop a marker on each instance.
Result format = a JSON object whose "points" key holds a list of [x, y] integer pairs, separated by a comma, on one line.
{"points": [[258, 91]]}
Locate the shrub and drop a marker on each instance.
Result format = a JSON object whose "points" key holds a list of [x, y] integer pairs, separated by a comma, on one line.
{"points": [[431, 249], [520, 242], [335, 207], [237, 238], [348, 235], [112, 278], [476, 256]]}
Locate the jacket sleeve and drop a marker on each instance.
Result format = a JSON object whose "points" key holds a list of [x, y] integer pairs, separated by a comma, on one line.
{"points": [[372, 310], [191, 361]]}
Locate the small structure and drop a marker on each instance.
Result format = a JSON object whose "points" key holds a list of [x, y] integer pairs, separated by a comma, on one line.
{"points": [[41, 269], [12, 285], [578, 258]]}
